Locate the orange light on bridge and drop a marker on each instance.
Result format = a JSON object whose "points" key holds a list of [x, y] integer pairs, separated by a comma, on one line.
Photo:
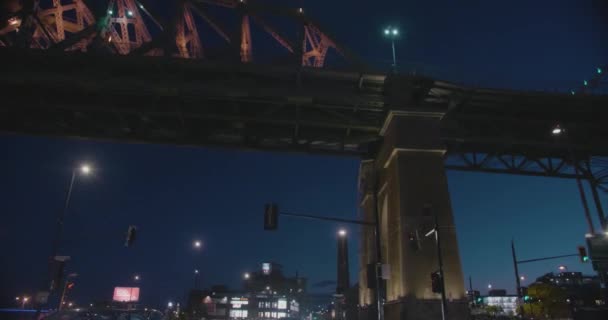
{"points": [[14, 21]]}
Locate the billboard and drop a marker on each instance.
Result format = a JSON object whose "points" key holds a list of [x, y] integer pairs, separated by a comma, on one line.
{"points": [[126, 294]]}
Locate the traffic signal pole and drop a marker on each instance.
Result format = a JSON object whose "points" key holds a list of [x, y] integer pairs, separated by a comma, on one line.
{"points": [[271, 223]]}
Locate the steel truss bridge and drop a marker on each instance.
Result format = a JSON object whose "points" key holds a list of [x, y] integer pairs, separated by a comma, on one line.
{"points": [[126, 73]]}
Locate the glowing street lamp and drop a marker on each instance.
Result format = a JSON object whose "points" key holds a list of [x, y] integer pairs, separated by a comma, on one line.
{"points": [[489, 286], [562, 268], [342, 233], [197, 244], [84, 170], [136, 277], [246, 276], [522, 278], [392, 33], [170, 304]]}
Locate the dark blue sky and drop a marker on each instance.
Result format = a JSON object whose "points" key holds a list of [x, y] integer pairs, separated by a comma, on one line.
{"points": [[177, 194]]}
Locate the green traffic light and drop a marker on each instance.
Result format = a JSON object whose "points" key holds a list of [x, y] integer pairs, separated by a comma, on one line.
{"points": [[585, 259], [585, 82], [599, 70], [526, 298]]}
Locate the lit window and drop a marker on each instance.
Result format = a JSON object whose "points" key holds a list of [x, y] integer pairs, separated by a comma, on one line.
{"points": [[273, 314], [282, 304], [267, 314], [281, 315]]}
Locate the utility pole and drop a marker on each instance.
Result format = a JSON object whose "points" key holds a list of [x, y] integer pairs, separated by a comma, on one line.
{"points": [[517, 279]]}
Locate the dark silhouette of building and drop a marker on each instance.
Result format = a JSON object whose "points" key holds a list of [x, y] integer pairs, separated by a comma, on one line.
{"points": [[581, 290]]}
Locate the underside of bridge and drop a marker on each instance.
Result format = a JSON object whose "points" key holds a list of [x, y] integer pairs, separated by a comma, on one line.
{"points": [[77, 77]]}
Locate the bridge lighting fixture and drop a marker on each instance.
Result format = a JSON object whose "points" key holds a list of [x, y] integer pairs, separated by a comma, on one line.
{"points": [[14, 21], [141, 6], [110, 11], [557, 130], [130, 13]]}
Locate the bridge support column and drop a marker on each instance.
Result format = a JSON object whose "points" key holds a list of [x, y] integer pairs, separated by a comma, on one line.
{"points": [[408, 176]]}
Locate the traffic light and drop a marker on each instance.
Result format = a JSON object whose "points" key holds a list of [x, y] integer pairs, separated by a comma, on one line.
{"points": [[271, 216], [131, 235], [436, 282], [526, 298], [582, 253]]}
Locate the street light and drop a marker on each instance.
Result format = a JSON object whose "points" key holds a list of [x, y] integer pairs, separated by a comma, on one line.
{"points": [[522, 278], [170, 304], [342, 233], [197, 244], [562, 268], [84, 169], [392, 33], [489, 286], [136, 277], [246, 275]]}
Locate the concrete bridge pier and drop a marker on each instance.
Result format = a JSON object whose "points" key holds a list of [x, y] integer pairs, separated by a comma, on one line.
{"points": [[411, 187]]}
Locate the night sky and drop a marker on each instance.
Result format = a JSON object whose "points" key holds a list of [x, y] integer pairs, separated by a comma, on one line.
{"points": [[177, 194]]}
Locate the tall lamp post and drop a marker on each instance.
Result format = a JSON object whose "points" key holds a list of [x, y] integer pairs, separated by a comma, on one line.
{"points": [[197, 245], [392, 33], [84, 169]]}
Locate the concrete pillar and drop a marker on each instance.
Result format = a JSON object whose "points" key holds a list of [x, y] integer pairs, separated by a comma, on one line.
{"points": [[412, 186]]}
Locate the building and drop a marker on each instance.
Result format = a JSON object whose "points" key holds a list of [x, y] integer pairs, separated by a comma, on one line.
{"points": [[273, 295], [267, 294], [581, 290], [507, 303]]}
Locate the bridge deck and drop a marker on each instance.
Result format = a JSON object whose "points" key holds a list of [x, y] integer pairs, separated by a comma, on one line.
{"points": [[179, 101]]}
